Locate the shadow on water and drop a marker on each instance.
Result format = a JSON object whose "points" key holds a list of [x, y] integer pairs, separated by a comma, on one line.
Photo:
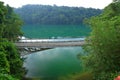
{"points": [[53, 63]]}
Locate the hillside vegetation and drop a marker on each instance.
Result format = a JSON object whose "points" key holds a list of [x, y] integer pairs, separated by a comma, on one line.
{"points": [[45, 14], [10, 61], [104, 43]]}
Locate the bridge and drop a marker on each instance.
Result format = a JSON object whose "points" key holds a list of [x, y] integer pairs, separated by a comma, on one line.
{"points": [[49, 43], [28, 46]]}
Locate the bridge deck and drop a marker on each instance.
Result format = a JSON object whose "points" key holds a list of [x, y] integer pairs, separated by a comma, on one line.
{"points": [[49, 44]]}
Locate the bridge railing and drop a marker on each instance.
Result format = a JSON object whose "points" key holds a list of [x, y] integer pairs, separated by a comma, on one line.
{"points": [[51, 40]]}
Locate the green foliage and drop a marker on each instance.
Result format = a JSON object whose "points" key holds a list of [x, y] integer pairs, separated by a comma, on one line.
{"points": [[15, 62], [106, 76], [13, 25], [116, 0], [6, 77], [45, 14], [4, 64], [3, 11], [103, 44], [111, 11], [10, 24], [10, 61]]}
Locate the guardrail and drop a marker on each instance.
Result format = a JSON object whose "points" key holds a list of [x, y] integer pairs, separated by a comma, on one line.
{"points": [[49, 44], [52, 40]]}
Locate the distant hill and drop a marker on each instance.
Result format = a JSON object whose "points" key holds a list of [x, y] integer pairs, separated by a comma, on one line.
{"points": [[46, 14]]}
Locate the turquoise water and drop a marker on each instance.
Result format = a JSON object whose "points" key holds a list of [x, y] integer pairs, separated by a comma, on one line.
{"points": [[55, 31], [53, 63]]}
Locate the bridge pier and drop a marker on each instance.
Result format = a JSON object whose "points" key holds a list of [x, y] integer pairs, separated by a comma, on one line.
{"points": [[26, 51]]}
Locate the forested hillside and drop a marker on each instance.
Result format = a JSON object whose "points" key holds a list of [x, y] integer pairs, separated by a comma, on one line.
{"points": [[46, 14]]}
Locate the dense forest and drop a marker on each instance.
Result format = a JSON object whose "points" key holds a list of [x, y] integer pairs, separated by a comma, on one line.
{"points": [[10, 29], [46, 14], [103, 45]]}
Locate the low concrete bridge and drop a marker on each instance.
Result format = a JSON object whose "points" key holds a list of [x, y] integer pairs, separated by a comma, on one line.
{"points": [[50, 43], [28, 46]]}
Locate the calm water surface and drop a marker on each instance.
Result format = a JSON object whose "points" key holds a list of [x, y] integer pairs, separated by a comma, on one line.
{"points": [[55, 31], [53, 63]]}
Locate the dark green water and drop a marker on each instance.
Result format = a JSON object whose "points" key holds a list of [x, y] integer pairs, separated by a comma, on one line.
{"points": [[50, 31], [53, 63]]}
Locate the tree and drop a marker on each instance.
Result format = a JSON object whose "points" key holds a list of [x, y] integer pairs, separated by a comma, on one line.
{"points": [[3, 11], [116, 0], [13, 57], [4, 63], [10, 61], [45, 14], [13, 25], [103, 43], [10, 23]]}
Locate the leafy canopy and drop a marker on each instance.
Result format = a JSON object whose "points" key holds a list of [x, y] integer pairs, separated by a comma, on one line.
{"points": [[104, 46], [45, 14], [10, 24], [10, 61]]}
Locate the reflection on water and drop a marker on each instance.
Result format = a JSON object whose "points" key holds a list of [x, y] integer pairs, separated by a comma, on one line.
{"points": [[53, 62]]}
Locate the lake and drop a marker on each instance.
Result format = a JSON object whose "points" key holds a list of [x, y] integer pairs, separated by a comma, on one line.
{"points": [[55, 31], [54, 63]]}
